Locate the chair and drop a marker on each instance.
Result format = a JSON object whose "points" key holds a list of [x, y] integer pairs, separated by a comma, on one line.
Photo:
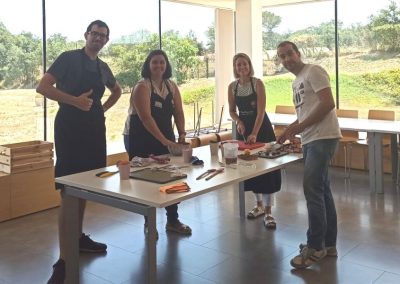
{"points": [[379, 115], [278, 129], [349, 138]]}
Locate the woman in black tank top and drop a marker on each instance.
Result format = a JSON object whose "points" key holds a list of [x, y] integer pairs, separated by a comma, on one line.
{"points": [[247, 94], [156, 100]]}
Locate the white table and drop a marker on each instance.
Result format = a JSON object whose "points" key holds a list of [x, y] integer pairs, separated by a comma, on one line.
{"points": [[375, 130], [144, 197]]}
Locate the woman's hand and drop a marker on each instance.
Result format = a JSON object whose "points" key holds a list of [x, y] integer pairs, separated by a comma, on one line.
{"points": [[241, 129], [181, 138], [251, 139]]}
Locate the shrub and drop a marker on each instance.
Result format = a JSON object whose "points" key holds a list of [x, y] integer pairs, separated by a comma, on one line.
{"points": [[192, 95], [386, 82]]}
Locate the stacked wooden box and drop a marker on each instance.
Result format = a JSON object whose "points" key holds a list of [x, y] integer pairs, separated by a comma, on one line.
{"points": [[26, 179]]}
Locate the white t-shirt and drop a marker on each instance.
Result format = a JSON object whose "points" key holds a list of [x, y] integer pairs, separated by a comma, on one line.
{"points": [[310, 80]]}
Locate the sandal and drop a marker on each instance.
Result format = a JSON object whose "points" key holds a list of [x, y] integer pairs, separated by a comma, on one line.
{"points": [[269, 222], [178, 227], [255, 212]]}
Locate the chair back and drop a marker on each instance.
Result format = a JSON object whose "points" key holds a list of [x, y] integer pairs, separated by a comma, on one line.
{"points": [[285, 109], [278, 129], [382, 115], [349, 113]]}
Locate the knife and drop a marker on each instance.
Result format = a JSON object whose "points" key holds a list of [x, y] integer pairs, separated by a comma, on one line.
{"points": [[218, 171]]}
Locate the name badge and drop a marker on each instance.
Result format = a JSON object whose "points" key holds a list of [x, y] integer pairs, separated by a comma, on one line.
{"points": [[158, 104]]}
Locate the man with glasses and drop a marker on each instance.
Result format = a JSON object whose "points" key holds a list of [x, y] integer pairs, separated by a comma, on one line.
{"points": [[79, 127], [320, 133]]}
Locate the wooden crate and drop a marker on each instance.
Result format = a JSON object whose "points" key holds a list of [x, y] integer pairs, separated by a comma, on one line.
{"points": [[26, 156], [5, 197], [33, 191]]}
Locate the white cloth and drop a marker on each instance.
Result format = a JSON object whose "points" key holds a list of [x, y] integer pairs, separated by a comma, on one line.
{"points": [[311, 80]]}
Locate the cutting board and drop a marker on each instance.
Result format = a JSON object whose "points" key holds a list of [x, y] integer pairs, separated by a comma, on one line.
{"points": [[244, 146], [154, 175]]}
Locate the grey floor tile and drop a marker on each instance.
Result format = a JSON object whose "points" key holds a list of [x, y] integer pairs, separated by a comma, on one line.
{"points": [[223, 248]]}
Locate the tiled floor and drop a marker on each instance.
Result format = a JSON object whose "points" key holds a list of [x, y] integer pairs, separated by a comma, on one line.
{"points": [[223, 248]]}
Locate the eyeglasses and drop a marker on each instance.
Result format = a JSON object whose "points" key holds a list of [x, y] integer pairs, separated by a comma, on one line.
{"points": [[97, 34]]}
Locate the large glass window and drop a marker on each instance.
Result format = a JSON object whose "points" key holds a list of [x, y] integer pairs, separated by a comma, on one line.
{"points": [[21, 113], [369, 55], [133, 32], [189, 43], [311, 26]]}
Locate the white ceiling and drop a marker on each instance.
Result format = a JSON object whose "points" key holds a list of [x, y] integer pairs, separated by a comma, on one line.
{"points": [[230, 4]]}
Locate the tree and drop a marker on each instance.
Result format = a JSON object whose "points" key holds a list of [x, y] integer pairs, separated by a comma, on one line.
{"points": [[270, 21], [56, 44], [182, 52], [386, 27], [26, 67], [210, 33], [8, 53]]}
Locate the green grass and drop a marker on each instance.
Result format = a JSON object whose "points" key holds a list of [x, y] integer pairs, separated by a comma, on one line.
{"points": [[21, 114]]}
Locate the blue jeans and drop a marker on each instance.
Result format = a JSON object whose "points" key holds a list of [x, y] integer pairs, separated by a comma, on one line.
{"points": [[322, 219]]}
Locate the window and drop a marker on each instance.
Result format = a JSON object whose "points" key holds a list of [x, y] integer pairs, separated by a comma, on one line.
{"points": [[189, 43], [311, 26], [21, 113], [133, 33], [369, 55]]}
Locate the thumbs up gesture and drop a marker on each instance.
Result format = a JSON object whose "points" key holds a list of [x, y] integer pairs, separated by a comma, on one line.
{"points": [[83, 102]]}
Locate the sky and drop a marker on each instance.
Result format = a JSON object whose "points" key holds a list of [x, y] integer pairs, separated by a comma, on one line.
{"points": [[71, 17]]}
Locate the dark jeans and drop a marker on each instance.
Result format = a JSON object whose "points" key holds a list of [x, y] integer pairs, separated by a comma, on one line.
{"points": [[322, 219], [172, 213]]}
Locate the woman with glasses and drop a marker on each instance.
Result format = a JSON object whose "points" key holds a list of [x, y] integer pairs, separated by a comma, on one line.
{"points": [[154, 101]]}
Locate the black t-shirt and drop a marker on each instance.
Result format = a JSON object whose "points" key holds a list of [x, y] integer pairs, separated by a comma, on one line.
{"points": [[68, 70]]}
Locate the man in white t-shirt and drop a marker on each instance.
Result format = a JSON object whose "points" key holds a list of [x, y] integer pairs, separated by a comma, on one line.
{"points": [[320, 133]]}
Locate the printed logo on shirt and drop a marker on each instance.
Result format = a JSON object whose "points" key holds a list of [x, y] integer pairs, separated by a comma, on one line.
{"points": [[158, 104], [298, 95]]}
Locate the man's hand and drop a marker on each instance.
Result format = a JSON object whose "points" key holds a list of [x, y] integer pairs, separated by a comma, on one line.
{"points": [[83, 102], [290, 132]]}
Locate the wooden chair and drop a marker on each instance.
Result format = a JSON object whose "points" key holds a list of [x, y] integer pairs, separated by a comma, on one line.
{"points": [[349, 138], [379, 115], [278, 129]]}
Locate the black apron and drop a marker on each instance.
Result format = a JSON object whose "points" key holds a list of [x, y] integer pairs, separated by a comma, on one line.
{"points": [[80, 136], [141, 142], [247, 106]]}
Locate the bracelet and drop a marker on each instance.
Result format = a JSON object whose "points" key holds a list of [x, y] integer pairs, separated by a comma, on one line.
{"points": [[182, 133]]}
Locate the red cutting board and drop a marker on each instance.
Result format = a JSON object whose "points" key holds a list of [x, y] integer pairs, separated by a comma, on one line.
{"points": [[244, 146]]}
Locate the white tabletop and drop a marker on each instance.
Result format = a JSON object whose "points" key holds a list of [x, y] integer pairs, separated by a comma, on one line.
{"points": [[148, 193], [357, 124]]}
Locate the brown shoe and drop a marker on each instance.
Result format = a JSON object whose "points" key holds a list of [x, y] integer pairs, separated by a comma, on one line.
{"points": [[178, 227]]}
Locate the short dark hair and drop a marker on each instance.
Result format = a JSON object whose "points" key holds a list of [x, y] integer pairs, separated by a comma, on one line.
{"points": [[146, 65], [100, 24], [286, 42]]}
